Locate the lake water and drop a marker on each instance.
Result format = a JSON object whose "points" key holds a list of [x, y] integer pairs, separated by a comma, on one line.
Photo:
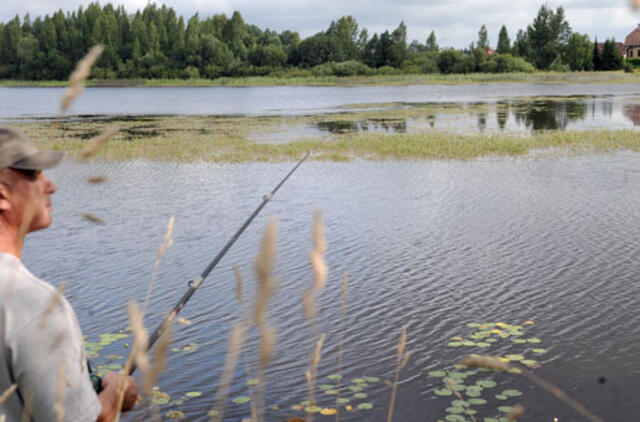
{"points": [[431, 246], [475, 108]]}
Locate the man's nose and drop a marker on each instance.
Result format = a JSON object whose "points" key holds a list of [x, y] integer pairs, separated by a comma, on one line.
{"points": [[49, 185]]}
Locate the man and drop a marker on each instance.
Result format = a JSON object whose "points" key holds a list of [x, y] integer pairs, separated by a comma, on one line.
{"points": [[42, 362]]}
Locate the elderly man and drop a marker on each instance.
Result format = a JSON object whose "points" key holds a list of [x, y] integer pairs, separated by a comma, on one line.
{"points": [[42, 363]]}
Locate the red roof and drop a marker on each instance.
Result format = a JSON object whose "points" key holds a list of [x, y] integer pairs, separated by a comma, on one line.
{"points": [[633, 39], [621, 47]]}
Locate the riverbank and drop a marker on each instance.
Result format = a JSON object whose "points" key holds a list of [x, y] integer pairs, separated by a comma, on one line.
{"points": [[400, 80], [226, 139]]}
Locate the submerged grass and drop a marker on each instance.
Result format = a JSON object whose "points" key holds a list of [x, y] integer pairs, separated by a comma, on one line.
{"points": [[176, 144], [412, 79]]}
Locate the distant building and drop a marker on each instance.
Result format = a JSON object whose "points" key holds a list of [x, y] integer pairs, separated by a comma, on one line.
{"points": [[632, 44], [621, 48]]}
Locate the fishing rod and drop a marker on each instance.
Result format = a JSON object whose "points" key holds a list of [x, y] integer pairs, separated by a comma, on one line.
{"points": [[196, 283]]}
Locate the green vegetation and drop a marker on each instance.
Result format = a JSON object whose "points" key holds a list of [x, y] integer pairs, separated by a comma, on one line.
{"points": [[227, 139], [155, 43]]}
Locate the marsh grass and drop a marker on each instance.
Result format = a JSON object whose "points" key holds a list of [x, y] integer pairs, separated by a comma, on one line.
{"points": [[410, 79], [216, 139]]}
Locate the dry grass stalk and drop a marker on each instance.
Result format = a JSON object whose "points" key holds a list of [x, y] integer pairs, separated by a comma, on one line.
{"points": [[97, 179], [486, 362], [343, 309], [58, 407], [28, 406], [160, 358], [311, 373], [183, 321], [320, 270], [80, 75], [5, 395], [238, 291], [309, 304], [401, 361], [452, 386], [489, 362], [236, 343], [266, 286], [93, 218], [166, 244], [96, 142], [55, 299], [516, 413]]}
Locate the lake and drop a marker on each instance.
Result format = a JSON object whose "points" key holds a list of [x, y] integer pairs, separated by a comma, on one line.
{"points": [[432, 246]]}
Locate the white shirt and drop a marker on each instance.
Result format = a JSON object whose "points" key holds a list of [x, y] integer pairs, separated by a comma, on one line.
{"points": [[42, 351]]}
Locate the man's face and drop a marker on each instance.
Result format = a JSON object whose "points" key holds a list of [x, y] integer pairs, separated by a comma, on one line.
{"points": [[31, 200]]}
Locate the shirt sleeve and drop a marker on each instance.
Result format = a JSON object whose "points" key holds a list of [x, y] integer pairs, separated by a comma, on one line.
{"points": [[51, 370]]}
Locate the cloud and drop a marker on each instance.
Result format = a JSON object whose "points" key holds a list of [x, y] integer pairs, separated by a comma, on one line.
{"points": [[456, 22]]}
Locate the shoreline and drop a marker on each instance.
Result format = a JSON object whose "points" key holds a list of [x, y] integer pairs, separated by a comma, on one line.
{"points": [[617, 77]]}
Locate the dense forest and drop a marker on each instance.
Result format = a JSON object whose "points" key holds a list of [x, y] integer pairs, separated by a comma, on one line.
{"points": [[156, 43]]}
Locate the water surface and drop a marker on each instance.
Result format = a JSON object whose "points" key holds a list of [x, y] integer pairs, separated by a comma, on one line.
{"points": [[427, 245]]}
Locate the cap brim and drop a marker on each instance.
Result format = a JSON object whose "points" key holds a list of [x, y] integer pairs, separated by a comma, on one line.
{"points": [[42, 160]]}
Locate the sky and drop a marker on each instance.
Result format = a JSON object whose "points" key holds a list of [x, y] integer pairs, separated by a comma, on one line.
{"points": [[455, 22]]}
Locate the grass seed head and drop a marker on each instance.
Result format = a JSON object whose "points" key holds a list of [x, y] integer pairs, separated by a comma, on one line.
{"points": [[80, 75]]}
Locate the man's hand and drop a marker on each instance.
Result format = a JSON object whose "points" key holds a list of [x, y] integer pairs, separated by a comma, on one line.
{"points": [[115, 385]]}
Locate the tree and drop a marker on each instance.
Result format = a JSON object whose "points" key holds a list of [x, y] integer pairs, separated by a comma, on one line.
{"points": [[579, 52], [548, 36], [597, 57], [432, 44], [504, 43], [483, 38], [611, 57]]}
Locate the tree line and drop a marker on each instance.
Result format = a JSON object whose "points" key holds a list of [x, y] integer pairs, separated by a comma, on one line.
{"points": [[157, 43]]}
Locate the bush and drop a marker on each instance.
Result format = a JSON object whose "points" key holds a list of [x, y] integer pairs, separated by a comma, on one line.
{"points": [[502, 63], [633, 62], [628, 68], [449, 60], [387, 70], [350, 68], [423, 63], [190, 72]]}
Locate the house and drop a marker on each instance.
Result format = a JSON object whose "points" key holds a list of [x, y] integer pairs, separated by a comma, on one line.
{"points": [[620, 46], [632, 44]]}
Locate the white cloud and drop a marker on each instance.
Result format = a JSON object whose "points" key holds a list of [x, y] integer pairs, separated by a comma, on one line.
{"points": [[456, 22]]}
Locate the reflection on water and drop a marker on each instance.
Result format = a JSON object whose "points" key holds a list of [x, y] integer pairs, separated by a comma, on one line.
{"points": [[520, 115]]}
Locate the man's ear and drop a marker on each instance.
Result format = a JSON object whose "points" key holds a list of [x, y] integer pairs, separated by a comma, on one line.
{"points": [[5, 204]]}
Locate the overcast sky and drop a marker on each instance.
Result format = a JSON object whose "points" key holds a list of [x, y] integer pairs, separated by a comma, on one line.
{"points": [[456, 22]]}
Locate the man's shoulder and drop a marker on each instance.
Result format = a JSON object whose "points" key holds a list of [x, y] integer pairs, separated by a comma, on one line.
{"points": [[24, 295]]}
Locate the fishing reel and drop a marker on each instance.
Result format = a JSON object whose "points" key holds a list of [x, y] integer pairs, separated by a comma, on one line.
{"points": [[96, 380]]}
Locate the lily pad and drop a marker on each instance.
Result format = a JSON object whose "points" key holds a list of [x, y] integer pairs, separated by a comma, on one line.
{"points": [[512, 393], [443, 392], [455, 410], [360, 395], [160, 401], [326, 387], [312, 409], [460, 403], [534, 340], [253, 381], [486, 383], [372, 379], [331, 392], [483, 344], [514, 358], [328, 412], [501, 397], [529, 362], [355, 388], [455, 418], [242, 400], [477, 402], [358, 380], [193, 394], [342, 400], [212, 413], [539, 351], [519, 340], [473, 393], [455, 344], [474, 325], [438, 374], [505, 409], [365, 406], [334, 377]]}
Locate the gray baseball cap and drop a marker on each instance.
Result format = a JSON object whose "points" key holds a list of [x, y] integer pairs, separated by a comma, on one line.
{"points": [[18, 151]]}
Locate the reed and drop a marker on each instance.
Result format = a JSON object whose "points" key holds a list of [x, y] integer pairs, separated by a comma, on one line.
{"points": [[80, 75], [343, 309], [266, 287], [401, 360], [492, 363], [166, 244], [6, 393], [452, 386], [236, 342]]}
